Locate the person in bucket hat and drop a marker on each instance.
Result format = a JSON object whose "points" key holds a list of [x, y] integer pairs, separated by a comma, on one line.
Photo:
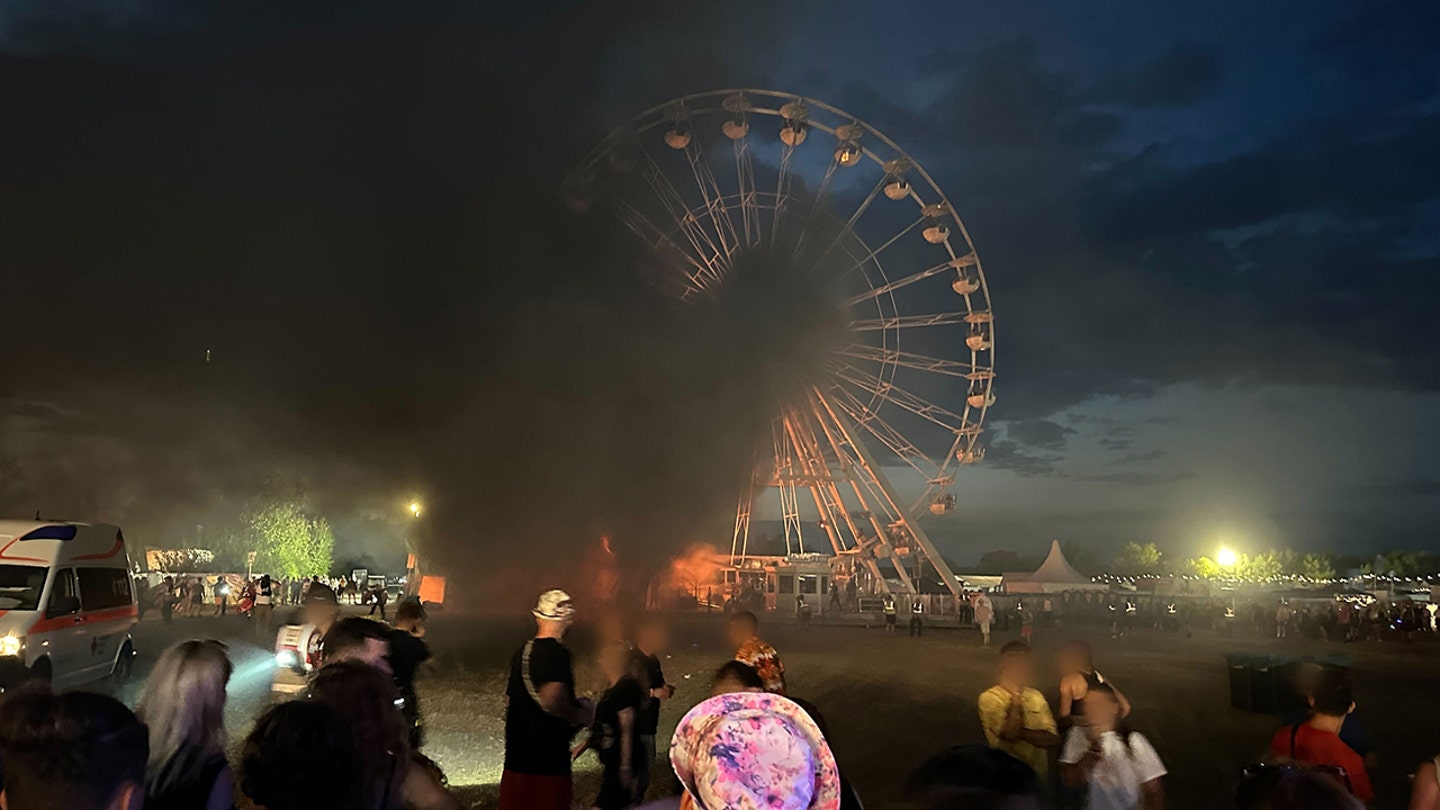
{"points": [[554, 606], [542, 713], [753, 750]]}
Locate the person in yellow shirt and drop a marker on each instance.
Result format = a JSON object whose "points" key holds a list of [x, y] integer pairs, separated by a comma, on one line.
{"points": [[1015, 717]]}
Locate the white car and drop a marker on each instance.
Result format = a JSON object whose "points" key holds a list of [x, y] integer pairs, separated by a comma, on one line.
{"points": [[67, 603]]}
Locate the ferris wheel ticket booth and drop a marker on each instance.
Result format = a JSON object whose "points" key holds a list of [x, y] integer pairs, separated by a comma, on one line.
{"points": [[67, 603]]}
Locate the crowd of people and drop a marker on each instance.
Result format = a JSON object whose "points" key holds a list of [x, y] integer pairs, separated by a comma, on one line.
{"points": [[352, 738], [217, 595], [256, 597], [349, 741], [752, 744], [1251, 615]]}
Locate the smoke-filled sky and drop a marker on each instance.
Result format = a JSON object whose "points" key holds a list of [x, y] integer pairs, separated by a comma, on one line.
{"points": [[1210, 234]]}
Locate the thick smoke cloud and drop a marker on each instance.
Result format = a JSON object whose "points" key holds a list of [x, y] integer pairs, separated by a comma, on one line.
{"points": [[357, 214]]}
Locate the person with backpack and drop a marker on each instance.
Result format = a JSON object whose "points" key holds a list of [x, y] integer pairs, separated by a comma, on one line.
{"points": [[1118, 767], [542, 714], [1317, 742]]}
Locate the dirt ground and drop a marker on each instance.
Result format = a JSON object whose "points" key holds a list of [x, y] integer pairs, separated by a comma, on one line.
{"points": [[890, 700]]}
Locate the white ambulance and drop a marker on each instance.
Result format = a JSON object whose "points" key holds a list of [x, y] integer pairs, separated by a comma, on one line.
{"points": [[67, 603]]}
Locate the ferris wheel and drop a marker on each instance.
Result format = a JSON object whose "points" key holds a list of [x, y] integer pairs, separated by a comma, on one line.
{"points": [[898, 401]]}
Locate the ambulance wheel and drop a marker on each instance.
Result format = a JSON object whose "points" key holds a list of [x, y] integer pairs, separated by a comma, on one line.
{"points": [[40, 673], [124, 665]]}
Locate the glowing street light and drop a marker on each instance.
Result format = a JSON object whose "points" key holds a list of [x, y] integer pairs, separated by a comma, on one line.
{"points": [[1226, 558], [415, 509]]}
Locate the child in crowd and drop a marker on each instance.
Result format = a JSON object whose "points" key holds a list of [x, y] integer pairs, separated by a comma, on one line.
{"points": [[615, 732], [1119, 767]]}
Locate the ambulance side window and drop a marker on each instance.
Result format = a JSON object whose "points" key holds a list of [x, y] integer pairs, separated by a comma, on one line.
{"points": [[103, 588], [63, 597]]}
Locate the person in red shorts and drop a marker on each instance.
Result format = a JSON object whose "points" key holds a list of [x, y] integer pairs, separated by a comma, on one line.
{"points": [[543, 714], [1317, 742]]}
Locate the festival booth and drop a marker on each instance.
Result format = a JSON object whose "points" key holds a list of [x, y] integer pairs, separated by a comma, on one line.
{"points": [[1055, 575], [705, 580], [780, 580]]}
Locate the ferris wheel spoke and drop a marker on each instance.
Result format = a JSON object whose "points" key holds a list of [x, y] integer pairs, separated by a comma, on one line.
{"points": [[877, 251], [908, 321], [659, 241], [715, 208], [876, 292], [782, 187], [891, 392], [711, 255], [749, 203], [850, 223], [888, 436], [816, 206], [919, 362]]}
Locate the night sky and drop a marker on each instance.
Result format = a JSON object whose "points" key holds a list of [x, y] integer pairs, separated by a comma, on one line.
{"points": [[1211, 233]]}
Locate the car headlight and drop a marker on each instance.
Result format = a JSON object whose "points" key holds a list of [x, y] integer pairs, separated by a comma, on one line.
{"points": [[11, 645], [287, 658]]}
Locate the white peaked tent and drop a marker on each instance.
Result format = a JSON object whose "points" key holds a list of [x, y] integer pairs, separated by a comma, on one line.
{"points": [[1054, 575]]}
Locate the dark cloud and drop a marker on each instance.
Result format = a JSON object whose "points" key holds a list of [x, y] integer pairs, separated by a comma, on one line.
{"points": [[1179, 77], [1323, 165], [1008, 455], [1040, 433], [1125, 274]]}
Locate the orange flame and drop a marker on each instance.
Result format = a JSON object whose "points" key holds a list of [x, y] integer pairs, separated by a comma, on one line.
{"points": [[602, 572], [693, 573]]}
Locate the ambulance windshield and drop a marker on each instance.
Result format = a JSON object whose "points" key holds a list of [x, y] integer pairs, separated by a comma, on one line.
{"points": [[20, 586]]}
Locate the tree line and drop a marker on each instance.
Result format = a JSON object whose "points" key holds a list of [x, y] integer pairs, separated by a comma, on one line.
{"points": [[287, 536]]}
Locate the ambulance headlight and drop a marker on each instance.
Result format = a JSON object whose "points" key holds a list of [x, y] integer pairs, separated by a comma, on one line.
{"points": [[11, 645], [287, 658]]}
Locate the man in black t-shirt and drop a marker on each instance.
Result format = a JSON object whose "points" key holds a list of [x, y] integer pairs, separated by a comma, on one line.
{"points": [[542, 714], [651, 639]]}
